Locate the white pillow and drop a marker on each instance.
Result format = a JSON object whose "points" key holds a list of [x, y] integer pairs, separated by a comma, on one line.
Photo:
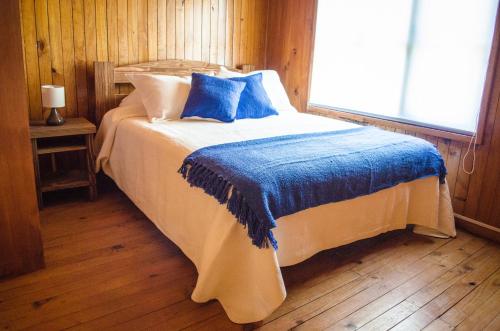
{"points": [[163, 96], [134, 98], [272, 84]]}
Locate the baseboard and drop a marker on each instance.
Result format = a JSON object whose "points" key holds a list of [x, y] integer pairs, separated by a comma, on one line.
{"points": [[478, 228]]}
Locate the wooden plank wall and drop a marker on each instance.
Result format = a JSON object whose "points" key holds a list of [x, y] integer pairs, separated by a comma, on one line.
{"points": [[289, 45], [62, 39], [477, 196], [21, 247]]}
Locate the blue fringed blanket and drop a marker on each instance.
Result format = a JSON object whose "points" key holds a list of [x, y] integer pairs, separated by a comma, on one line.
{"points": [[262, 180]]}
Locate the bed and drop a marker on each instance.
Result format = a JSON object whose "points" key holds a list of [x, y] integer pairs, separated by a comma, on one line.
{"points": [[144, 158]]}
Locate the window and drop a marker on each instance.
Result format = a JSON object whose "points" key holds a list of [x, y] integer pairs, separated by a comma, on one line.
{"points": [[415, 61]]}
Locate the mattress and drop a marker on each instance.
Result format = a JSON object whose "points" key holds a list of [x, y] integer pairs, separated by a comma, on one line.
{"points": [[143, 159]]}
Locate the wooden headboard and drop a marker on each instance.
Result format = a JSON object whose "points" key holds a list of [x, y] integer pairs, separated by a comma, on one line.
{"points": [[109, 93]]}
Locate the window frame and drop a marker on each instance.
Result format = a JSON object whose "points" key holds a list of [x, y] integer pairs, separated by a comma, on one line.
{"points": [[489, 99]]}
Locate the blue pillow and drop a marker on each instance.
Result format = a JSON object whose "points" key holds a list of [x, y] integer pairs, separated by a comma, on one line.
{"points": [[212, 97], [254, 102]]}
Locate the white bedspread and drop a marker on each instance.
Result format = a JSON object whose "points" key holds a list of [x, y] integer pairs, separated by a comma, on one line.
{"points": [[143, 160]]}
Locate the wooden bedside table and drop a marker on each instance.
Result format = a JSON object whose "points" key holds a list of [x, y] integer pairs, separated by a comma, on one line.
{"points": [[74, 135]]}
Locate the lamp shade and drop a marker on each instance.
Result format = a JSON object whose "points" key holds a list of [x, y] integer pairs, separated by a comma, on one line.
{"points": [[52, 96]]}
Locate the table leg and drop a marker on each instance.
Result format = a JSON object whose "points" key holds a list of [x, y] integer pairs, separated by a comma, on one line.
{"points": [[36, 166], [91, 166]]}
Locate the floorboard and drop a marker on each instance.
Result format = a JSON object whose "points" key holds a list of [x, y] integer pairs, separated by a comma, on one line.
{"points": [[109, 268]]}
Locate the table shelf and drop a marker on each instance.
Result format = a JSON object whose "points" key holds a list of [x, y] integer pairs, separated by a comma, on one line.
{"points": [[60, 181], [61, 149]]}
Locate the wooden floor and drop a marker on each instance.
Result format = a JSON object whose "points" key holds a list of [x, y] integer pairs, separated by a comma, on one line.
{"points": [[108, 268]]}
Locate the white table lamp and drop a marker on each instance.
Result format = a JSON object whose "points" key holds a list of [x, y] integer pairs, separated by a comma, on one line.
{"points": [[53, 97]]}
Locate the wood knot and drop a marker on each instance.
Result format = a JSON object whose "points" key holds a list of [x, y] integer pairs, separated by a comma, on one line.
{"points": [[351, 326], [39, 303], [40, 44], [468, 267], [117, 247]]}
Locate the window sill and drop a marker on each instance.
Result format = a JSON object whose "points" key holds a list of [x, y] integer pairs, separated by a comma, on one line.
{"points": [[372, 120]]}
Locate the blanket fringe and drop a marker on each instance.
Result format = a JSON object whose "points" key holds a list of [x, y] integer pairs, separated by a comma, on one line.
{"points": [[221, 189]]}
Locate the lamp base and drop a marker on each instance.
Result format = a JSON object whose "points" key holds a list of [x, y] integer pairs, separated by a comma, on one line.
{"points": [[55, 118]]}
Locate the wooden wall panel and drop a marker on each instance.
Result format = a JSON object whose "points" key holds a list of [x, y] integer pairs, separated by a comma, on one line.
{"points": [[153, 30], [43, 41], [221, 33], [197, 29], [180, 33], [20, 240], [142, 22], [289, 45], [31, 57], [80, 60], [68, 54], [229, 32], [56, 55], [290, 35], [62, 39]]}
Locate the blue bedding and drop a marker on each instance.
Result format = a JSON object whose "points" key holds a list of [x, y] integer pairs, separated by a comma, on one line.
{"points": [[262, 180]]}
